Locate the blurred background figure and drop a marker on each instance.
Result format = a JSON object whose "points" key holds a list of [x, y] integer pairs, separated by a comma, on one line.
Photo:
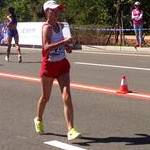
{"points": [[4, 36], [137, 17], [12, 32]]}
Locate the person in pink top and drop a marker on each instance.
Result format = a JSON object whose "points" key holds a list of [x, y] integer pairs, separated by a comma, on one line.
{"points": [[55, 65], [137, 17]]}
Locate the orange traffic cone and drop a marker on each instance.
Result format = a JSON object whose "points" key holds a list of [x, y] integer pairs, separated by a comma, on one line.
{"points": [[123, 87]]}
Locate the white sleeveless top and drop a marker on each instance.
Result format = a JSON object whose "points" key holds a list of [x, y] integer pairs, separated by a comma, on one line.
{"points": [[59, 53]]}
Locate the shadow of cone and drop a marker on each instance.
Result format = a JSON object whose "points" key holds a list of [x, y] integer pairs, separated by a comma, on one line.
{"points": [[123, 87]]}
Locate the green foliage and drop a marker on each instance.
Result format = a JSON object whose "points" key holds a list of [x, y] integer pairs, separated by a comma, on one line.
{"points": [[78, 12]]}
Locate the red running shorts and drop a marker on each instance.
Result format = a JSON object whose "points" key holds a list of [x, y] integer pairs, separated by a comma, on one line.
{"points": [[54, 69]]}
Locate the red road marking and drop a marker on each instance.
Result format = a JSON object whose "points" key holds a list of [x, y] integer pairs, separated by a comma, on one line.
{"points": [[85, 87]]}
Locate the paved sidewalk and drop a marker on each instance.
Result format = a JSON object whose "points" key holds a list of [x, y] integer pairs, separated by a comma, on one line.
{"points": [[116, 49]]}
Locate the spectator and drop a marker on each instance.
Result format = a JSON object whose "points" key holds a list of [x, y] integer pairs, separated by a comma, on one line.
{"points": [[137, 17]]}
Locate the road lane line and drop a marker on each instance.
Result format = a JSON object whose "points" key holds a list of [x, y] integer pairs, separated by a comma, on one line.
{"points": [[85, 87], [139, 95], [62, 145], [14, 76], [112, 66], [93, 88]]}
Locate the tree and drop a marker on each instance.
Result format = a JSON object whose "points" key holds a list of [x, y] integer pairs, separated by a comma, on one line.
{"points": [[78, 12]]}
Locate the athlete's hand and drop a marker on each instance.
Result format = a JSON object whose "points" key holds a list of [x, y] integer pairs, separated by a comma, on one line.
{"points": [[68, 41], [68, 48]]}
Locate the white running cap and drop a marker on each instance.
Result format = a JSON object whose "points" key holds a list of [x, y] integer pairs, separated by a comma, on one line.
{"points": [[52, 5]]}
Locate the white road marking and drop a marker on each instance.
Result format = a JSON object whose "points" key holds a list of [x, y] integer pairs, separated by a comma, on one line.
{"points": [[62, 145], [111, 66], [140, 95]]}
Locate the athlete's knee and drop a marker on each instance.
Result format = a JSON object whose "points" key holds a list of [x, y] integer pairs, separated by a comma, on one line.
{"points": [[9, 44], [17, 46], [66, 96], [44, 98]]}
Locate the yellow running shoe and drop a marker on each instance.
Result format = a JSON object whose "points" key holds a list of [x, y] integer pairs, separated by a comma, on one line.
{"points": [[39, 127], [73, 134]]}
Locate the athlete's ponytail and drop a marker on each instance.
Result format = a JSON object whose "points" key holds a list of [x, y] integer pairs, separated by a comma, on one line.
{"points": [[41, 13], [11, 10]]}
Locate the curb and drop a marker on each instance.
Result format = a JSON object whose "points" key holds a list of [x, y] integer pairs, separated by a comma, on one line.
{"points": [[115, 48]]}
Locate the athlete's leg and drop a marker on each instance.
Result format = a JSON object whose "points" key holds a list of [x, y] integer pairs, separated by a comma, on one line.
{"points": [[64, 83], [16, 38], [9, 40], [46, 84]]}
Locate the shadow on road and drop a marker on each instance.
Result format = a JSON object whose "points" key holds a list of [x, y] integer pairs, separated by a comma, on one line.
{"points": [[140, 140]]}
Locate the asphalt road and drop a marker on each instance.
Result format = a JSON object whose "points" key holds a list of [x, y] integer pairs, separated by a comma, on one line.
{"points": [[107, 121]]}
